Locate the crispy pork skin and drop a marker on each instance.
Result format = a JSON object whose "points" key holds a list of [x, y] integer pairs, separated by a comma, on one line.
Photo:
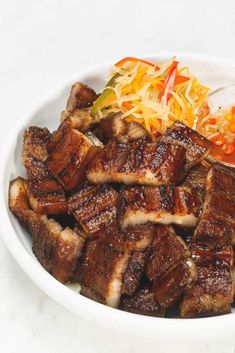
{"points": [[57, 249], [217, 222], [212, 294], [46, 196], [81, 96], [102, 271], [197, 147], [69, 154], [161, 204], [170, 267], [94, 207], [142, 302], [140, 162]]}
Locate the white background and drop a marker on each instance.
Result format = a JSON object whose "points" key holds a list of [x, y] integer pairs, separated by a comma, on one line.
{"points": [[43, 42]]}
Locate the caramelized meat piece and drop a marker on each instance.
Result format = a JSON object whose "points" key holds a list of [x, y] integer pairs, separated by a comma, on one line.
{"points": [[163, 204], [18, 201], [94, 207], [197, 147], [35, 152], [112, 127], [169, 267], [37, 169], [217, 223], [142, 302], [35, 140], [69, 154], [115, 127], [80, 119], [56, 249], [196, 180], [102, 271], [46, 196], [212, 294], [169, 287], [132, 238], [140, 162], [81, 96], [134, 272]]}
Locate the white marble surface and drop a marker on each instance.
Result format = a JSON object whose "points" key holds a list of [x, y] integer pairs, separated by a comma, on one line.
{"points": [[41, 43]]}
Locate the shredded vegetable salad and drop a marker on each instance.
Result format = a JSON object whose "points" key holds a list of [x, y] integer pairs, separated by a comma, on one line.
{"points": [[152, 95]]}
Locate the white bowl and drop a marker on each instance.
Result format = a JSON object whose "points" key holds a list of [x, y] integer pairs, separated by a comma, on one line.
{"points": [[213, 72]]}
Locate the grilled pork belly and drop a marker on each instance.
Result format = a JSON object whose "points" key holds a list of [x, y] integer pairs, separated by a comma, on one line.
{"points": [[162, 204], [81, 119], [69, 154], [140, 162], [212, 294], [133, 238], [114, 127], [81, 96], [94, 207], [57, 249], [102, 271], [35, 152], [142, 302], [46, 196], [197, 147], [18, 201], [35, 141], [196, 180], [134, 272], [217, 222], [170, 267]]}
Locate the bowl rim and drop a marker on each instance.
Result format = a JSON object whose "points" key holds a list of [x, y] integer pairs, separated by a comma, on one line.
{"points": [[162, 328]]}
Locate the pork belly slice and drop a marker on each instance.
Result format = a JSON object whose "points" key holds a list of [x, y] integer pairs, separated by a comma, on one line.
{"points": [[212, 294], [114, 126], [94, 207], [35, 152], [162, 204], [81, 96], [18, 201], [197, 147], [134, 272], [46, 196], [221, 178], [142, 302], [102, 271], [70, 152], [34, 141], [57, 249], [217, 222], [170, 267], [196, 179], [140, 162], [80, 119], [133, 238]]}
